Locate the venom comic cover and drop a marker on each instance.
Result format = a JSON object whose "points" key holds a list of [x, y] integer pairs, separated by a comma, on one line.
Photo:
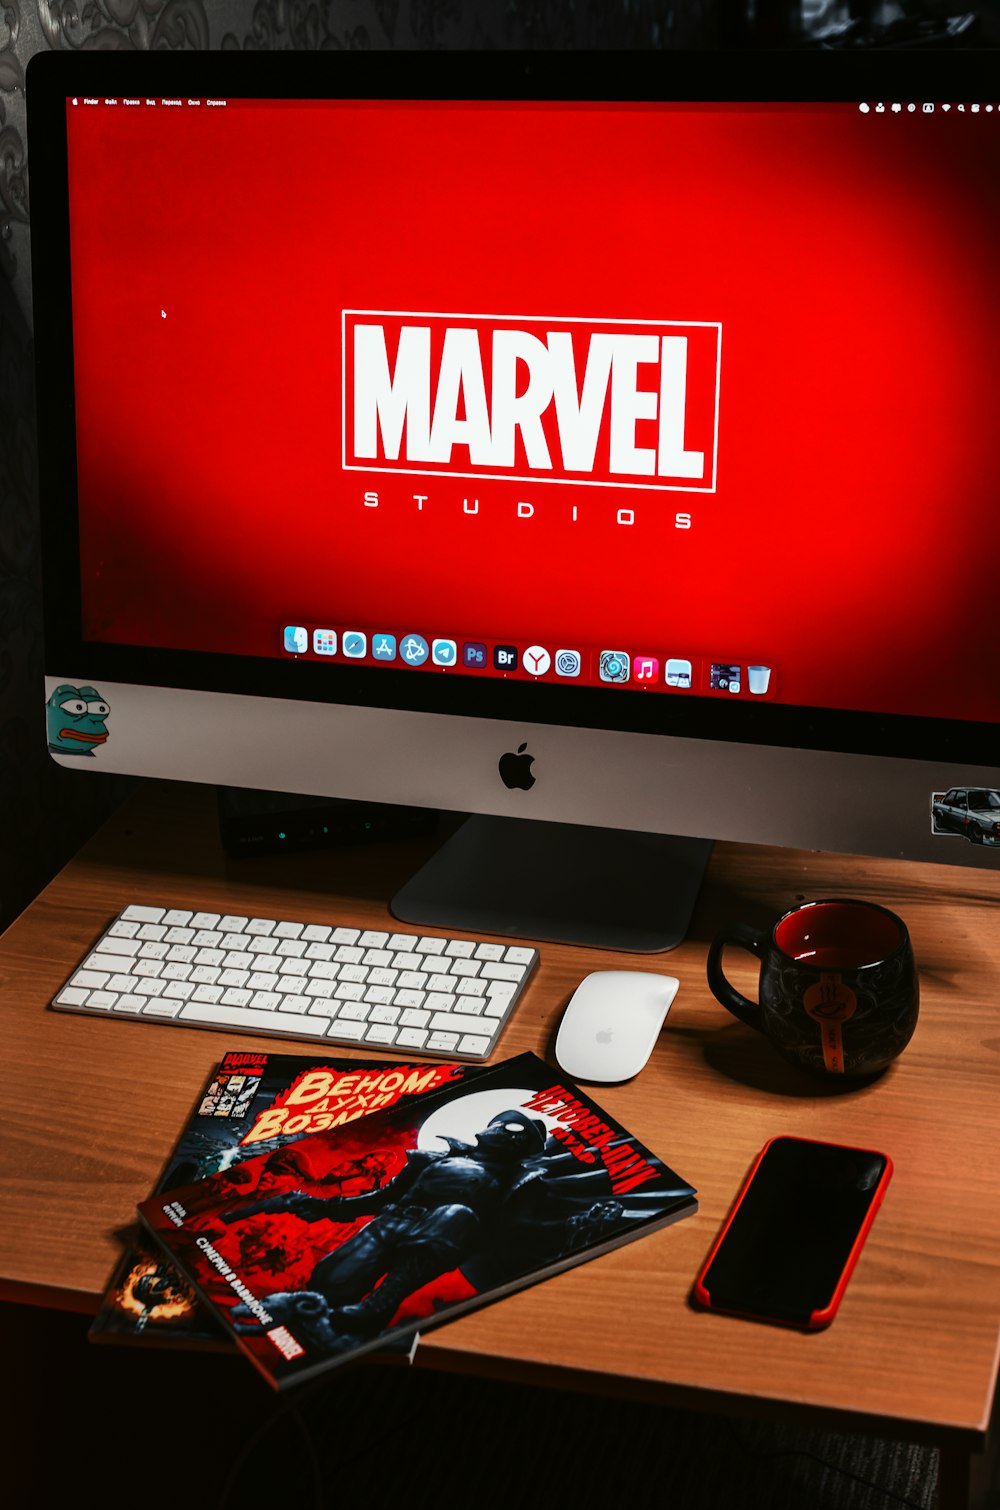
{"points": [[477, 1189]]}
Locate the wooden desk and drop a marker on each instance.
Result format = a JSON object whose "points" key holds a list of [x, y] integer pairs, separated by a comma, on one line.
{"points": [[912, 1354]]}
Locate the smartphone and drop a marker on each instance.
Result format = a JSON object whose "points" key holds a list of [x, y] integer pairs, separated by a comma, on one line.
{"points": [[790, 1242]]}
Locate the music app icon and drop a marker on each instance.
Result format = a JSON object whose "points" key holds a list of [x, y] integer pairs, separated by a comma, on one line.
{"points": [[646, 668]]}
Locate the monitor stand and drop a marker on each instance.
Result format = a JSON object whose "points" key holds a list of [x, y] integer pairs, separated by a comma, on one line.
{"points": [[560, 882]]}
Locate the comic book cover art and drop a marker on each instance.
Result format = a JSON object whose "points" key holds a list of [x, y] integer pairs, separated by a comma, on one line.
{"points": [[257, 1107], [480, 1188]]}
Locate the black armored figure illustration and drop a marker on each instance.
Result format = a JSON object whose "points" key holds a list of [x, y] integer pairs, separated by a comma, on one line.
{"points": [[475, 1207]]}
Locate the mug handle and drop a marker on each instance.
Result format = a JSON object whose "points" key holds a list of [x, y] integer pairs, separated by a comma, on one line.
{"points": [[756, 941]]}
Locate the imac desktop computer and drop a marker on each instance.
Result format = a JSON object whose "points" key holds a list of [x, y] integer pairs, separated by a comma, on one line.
{"points": [[613, 463]]}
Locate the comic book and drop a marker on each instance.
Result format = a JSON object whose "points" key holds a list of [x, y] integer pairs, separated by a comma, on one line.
{"points": [[255, 1106], [477, 1189]]}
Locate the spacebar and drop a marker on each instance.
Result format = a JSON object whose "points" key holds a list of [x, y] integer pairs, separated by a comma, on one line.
{"points": [[249, 1018]]}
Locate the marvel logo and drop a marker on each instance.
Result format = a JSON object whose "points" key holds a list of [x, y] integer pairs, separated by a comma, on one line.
{"points": [[598, 403], [285, 1342]]}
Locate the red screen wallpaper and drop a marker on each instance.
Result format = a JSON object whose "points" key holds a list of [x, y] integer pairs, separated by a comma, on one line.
{"points": [[697, 398]]}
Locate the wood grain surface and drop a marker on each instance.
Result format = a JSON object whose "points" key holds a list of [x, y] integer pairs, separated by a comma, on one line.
{"points": [[90, 1109]]}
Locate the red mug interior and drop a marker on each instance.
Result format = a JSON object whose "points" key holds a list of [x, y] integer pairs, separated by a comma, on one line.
{"points": [[838, 935]]}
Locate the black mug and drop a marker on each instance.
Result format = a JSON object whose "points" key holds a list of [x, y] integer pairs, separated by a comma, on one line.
{"points": [[838, 985]]}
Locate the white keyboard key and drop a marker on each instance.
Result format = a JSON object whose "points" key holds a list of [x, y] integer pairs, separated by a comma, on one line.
{"points": [[264, 1001], [465, 967], [412, 980], [92, 979], [151, 932], [294, 967], [347, 954], [178, 990], [443, 1042], [234, 997], [294, 1004], [288, 930], [348, 1032], [455, 1022], [355, 973], [231, 924], [410, 998], [380, 1033], [430, 946], [373, 940], [440, 983], [161, 1009], [210, 956], [491, 971], [175, 970], [404, 960], [440, 1001], [130, 1003], [349, 990], [237, 978], [205, 920], [142, 914], [246, 1021], [353, 1011], [179, 935], [206, 938], [345, 935], [205, 975], [320, 951], [471, 988], [72, 996], [411, 1038], [501, 990], [316, 933], [400, 941], [260, 925], [259, 981], [381, 995], [185, 952], [122, 930], [515, 955], [413, 1017], [382, 977], [110, 945], [324, 969], [383, 1014], [377, 957], [290, 948], [102, 999], [149, 987], [207, 993], [263, 945], [473, 1044], [324, 988], [489, 951], [460, 948], [176, 918]]}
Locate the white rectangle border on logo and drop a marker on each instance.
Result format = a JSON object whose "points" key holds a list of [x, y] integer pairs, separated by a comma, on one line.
{"points": [[532, 477]]}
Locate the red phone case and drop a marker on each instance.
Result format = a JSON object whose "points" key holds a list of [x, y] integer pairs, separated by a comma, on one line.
{"points": [[823, 1316]]}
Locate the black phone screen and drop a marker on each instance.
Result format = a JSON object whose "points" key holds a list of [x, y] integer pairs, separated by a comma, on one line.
{"points": [[794, 1230]]}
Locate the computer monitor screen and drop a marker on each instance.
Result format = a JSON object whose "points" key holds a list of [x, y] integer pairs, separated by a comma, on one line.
{"points": [[445, 432]]}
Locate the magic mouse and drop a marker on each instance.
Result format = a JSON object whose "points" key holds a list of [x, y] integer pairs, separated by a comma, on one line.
{"points": [[611, 1022]]}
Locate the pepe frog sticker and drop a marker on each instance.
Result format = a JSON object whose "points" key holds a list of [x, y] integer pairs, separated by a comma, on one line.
{"points": [[76, 719]]}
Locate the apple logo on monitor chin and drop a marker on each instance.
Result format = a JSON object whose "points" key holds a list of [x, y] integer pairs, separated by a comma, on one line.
{"points": [[515, 768]]}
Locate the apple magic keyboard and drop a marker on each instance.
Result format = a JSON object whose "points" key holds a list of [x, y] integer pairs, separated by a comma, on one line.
{"points": [[311, 981]]}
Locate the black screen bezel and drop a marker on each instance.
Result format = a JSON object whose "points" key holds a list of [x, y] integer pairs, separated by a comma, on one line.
{"points": [[53, 77]]}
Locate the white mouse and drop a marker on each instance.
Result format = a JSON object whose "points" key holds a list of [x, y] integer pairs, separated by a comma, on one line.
{"points": [[611, 1022]]}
